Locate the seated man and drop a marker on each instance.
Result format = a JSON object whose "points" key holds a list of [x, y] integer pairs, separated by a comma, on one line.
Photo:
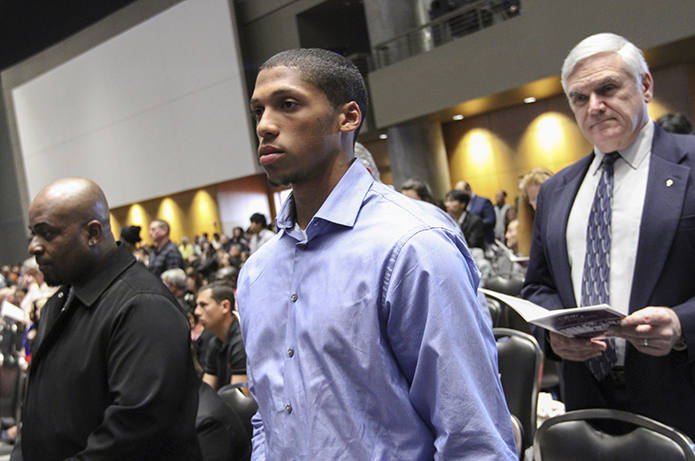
{"points": [[456, 202], [225, 362]]}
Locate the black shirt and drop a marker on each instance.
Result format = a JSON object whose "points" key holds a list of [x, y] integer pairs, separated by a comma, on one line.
{"points": [[226, 359], [112, 374]]}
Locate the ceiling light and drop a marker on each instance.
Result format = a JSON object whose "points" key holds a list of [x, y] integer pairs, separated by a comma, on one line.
{"points": [[458, 117], [529, 100], [383, 136]]}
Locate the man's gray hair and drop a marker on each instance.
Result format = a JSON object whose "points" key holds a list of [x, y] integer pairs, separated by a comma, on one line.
{"points": [[176, 276], [633, 59], [367, 159]]}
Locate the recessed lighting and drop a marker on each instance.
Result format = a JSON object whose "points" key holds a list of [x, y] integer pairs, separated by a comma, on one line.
{"points": [[458, 117], [383, 136], [529, 100]]}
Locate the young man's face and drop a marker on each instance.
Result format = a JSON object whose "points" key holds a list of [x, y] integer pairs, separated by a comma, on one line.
{"points": [[210, 313], [454, 207], [297, 126]]}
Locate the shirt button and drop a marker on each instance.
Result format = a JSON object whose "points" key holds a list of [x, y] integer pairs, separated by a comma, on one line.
{"points": [[288, 408], [60, 295], [294, 297], [290, 352]]}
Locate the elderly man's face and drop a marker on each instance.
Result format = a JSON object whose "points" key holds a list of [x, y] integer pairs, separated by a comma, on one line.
{"points": [[610, 107], [59, 242]]}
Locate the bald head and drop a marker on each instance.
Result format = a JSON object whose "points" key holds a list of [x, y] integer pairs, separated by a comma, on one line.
{"points": [[463, 185], [69, 220]]}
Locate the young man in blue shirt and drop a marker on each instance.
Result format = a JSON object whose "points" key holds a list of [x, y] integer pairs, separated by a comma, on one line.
{"points": [[364, 336]]}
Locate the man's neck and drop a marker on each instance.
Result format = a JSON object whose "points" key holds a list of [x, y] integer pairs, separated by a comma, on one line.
{"points": [[222, 329], [309, 196], [162, 243]]}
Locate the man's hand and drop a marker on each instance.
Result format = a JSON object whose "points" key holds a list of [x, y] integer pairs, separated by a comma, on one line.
{"points": [[577, 349], [652, 330]]}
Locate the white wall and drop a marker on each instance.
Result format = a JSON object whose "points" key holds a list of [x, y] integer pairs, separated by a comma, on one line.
{"points": [[157, 109]]}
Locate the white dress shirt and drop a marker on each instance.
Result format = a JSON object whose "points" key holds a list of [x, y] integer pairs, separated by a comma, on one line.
{"points": [[629, 190]]}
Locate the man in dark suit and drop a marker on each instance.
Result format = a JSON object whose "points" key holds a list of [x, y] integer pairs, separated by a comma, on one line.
{"points": [[471, 225], [480, 206], [647, 367]]}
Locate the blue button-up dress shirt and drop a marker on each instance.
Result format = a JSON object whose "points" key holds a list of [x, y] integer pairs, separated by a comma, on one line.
{"points": [[365, 340]]}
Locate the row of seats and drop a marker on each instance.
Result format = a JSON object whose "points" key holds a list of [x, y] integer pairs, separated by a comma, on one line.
{"points": [[576, 435]]}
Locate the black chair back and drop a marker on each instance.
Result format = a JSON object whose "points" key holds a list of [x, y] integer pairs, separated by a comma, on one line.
{"points": [[572, 437], [495, 310], [244, 405], [520, 357]]}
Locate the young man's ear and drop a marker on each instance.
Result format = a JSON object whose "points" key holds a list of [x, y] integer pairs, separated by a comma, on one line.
{"points": [[351, 117]]}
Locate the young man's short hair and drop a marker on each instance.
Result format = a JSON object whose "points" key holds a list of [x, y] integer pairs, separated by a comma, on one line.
{"points": [[259, 218], [330, 72], [220, 292], [460, 196]]}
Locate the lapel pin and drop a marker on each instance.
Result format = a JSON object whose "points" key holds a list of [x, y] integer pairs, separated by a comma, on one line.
{"points": [[669, 182]]}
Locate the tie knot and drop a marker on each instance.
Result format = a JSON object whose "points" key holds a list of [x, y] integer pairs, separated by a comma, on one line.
{"points": [[609, 159]]}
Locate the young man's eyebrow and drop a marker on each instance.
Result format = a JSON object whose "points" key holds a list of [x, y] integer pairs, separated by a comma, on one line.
{"points": [[276, 93]]}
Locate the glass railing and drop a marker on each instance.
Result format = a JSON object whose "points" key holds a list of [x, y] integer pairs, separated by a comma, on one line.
{"points": [[445, 28]]}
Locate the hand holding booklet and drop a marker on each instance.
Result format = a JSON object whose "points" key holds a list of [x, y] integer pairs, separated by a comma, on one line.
{"points": [[580, 322]]}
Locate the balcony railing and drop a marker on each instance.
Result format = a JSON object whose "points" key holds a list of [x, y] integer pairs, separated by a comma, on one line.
{"points": [[444, 29]]}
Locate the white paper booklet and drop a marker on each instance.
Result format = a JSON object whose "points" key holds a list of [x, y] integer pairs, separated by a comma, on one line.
{"points": [[583, 322], [12, 311]]}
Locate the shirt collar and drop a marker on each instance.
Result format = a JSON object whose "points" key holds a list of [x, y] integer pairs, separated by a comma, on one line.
{"points": [[342, 205], [635, 153], [462, 217]]}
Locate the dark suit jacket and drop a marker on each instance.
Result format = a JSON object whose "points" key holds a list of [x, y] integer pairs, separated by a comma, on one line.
{"points": [[472, 228], [484, 208], [662, 388]]}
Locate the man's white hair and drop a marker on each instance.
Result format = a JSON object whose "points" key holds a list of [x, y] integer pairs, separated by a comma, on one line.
{"points": [[176, 276], [367, 159], [633, 59]]}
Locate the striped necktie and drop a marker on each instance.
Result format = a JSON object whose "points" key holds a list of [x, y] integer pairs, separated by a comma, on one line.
{"points": [[597, 263]]}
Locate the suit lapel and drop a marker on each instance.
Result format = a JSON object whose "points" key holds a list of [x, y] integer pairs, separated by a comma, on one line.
{"points": [[558, 216], [666, 186]]}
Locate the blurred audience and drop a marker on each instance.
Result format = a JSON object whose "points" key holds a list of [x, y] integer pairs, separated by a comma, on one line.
{"points": [[165, 255], [418, 190], [471, 224], [675, 123], [130, 237], [501, 210], [260, 234], [481, 206], [529, 187]]}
